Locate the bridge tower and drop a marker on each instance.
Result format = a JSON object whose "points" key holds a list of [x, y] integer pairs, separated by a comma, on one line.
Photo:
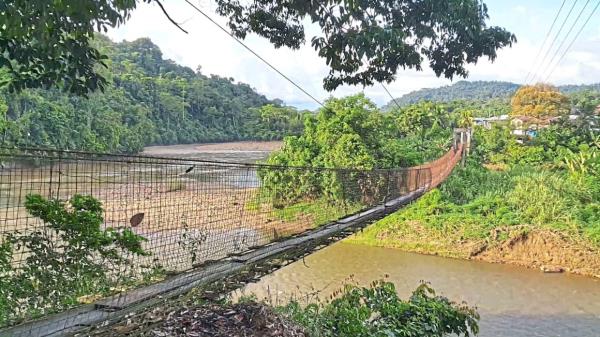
{"points": [[463, 136]]}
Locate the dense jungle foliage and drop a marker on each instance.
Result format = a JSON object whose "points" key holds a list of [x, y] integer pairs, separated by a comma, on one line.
{"points": [[481, 92], [508, 188], [148, 100], [353, 133]]}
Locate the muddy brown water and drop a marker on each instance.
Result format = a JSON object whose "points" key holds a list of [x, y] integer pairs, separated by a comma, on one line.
{"points": [[512, 301]]}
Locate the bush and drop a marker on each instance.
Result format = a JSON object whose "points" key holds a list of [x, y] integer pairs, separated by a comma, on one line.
{"points": [[70, 256], [378, 311]]}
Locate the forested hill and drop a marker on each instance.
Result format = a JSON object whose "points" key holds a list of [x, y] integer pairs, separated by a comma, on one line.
{"points": [[149, 100], [475, 90]]}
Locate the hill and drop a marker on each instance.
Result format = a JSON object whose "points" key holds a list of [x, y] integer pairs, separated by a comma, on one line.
{"points": [[475, 90], [149, 100]]}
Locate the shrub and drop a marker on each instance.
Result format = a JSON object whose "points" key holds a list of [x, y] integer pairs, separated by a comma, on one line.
{"points": [[70, 256], [378, 311]]}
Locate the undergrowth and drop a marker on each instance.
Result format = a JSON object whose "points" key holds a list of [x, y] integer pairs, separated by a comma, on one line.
{"points": [[378, 311], [501, 187]]}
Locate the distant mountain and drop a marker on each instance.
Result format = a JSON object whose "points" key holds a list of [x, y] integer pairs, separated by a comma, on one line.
{"points": [[571, 88], [475, 90]]}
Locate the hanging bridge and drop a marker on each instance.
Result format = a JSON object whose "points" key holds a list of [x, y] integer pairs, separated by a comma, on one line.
{"points": [[197, 222]]}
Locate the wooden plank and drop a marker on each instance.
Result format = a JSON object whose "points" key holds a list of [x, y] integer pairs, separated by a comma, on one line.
{"points": [[131, 297]]}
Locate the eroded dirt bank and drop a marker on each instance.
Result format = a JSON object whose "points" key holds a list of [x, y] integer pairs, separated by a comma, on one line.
{"points": [[546, 250], [542, 249]]}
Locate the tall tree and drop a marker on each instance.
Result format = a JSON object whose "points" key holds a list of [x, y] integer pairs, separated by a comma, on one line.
{"points": [[539, 101], [45, 42]]}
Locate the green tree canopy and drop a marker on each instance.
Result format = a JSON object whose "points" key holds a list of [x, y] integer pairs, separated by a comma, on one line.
{"points": [[149, 100], [45, 43]]}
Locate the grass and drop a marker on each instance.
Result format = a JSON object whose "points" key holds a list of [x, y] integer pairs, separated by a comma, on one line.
{"points": [[476, 205], [321, 211]]}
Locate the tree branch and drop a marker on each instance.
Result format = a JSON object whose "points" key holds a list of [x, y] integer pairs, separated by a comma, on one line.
{"points": [[168, 17]]}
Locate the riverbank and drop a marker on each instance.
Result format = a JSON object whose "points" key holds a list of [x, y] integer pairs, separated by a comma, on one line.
{"points": [[188, 149], [542, 249], [524, 216], [513, 301]]}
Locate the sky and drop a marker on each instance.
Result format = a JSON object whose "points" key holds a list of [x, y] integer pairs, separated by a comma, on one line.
{"points": [[216, 53]]}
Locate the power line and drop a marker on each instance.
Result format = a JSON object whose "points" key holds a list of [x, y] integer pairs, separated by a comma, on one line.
{"points": [[565, 38], [254, 53], [390, 94], [545, 40], [573, 41], [553, 41]]}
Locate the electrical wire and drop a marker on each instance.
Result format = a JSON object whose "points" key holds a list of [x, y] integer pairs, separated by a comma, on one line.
{"points": [[529, 73], [573, 41], [253, 52], [564, 39], [552, 43], [390, 94]]}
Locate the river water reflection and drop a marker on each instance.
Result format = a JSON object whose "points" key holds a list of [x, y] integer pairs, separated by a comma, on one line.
{"points": [[512, 301]]}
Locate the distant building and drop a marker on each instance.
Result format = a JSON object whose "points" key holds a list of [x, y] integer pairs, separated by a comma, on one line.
{"points": [[487, 122], [527, 127]]}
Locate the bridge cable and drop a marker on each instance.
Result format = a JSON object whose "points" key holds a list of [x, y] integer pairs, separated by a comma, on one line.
{"points": [[254, 53], [529, 73], [572, 41], [564, 39], [552, 43], [390, 94]]}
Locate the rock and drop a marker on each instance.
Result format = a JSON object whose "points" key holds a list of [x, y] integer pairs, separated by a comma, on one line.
{"points": [[552, 269]]}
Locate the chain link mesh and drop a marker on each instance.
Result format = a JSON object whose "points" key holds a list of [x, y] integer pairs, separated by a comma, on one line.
{"points": [[188, 214]]}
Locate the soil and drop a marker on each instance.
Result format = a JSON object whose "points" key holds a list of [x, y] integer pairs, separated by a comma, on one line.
{"points": [[546, 250], [247, 319], [184, 149]]}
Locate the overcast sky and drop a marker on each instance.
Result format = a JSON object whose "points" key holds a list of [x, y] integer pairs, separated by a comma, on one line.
{"points": [[217, 53]]}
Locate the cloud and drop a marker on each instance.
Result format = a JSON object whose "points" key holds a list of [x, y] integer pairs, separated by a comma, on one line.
{"points": [[520, 9], [218, 53]]}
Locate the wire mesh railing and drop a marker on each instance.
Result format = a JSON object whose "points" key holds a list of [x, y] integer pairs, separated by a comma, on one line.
{"points": [[79, 228]]}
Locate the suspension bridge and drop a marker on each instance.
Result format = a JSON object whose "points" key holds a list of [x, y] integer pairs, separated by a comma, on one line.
{"points": [[198, 222]]}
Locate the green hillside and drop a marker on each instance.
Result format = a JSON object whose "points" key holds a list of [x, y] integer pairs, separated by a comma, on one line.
{"points": [[149, 100], [475, 91]]}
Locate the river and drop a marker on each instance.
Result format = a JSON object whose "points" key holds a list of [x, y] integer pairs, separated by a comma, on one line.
{"points": [[512, 301]]}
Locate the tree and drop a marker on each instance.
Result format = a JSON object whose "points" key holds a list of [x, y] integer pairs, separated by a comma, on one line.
{"points": [[421, 119], [45, 43], [150, 101], [586, 101], [539, 101], [464, 118]]}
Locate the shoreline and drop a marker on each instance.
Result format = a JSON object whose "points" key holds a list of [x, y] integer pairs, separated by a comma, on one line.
{"points": [[187, 149], [543, 250]]}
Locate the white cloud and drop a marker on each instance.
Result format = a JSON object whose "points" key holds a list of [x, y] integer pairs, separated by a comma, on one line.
{"points": [[217, 53], [520, 9]]}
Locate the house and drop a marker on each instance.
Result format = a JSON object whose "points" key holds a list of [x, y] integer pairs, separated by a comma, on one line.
{"points": [[487, 122], [526, 127]]}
